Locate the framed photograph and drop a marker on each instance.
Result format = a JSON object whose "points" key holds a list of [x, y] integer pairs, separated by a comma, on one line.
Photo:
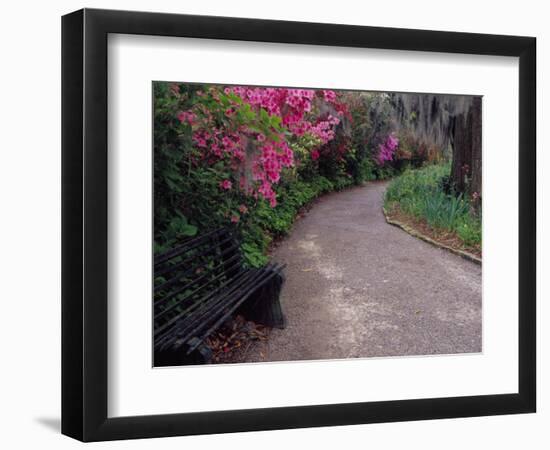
{"points": [[273, 224]]}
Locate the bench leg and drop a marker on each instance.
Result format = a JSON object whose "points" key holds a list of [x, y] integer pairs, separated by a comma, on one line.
{"points": [[264, 306]]}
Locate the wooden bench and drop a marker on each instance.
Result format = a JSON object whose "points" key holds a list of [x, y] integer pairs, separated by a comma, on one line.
{"points": [[198, 286]]}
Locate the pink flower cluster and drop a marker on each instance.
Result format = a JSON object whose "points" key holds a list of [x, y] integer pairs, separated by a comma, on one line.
{"points": [[227, 140], [187, 116], [386, 150], [330, 96], [324, 129], [267, 168], [220, 143], [293, 106], [273, 100]]}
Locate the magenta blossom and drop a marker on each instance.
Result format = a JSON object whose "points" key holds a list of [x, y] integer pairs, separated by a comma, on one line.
{"points": [[330, 96], [386, 150], [187, 116], [225, 184]]}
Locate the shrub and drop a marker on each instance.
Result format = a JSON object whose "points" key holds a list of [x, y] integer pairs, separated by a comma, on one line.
{"points": [[223, 153]]}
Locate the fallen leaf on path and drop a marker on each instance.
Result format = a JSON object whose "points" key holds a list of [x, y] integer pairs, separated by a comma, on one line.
{"points": [[234, 336]]}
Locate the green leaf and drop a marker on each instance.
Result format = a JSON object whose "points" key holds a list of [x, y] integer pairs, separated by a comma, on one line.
{"points": [[189, 230], [264, 116]]}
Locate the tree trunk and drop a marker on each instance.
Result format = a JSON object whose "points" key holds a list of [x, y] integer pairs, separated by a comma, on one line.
{"points": [[475, 181], [466, 142]]}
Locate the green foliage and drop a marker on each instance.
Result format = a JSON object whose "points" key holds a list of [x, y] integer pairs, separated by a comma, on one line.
{"points": [[421, 194], [384, 173], [172, 147], [371, 114], [470, 231], [365, 171], [302, 147], [178, 228]]}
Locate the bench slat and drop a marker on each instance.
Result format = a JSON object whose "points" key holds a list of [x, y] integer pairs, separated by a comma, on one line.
{"points": [[220, 289], [213, 246], [169, 282], [218, 277], [222, 298], [186, 246]]}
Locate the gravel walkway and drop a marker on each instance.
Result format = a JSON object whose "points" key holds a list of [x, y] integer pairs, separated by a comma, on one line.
{"points": [[358, 287]]}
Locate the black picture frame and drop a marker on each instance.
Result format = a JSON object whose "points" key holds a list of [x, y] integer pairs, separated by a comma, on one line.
{"points": [[84, 224]]}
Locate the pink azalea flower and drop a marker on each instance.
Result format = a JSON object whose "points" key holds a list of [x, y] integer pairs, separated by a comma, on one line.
{"points": [[330, 96], [187, 116], [387, 149], [225, 184]]}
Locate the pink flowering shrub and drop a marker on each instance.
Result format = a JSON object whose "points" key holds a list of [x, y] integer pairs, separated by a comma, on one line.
{"points": [[251, 130], [187, 116], [386, 150], [246, 156]]}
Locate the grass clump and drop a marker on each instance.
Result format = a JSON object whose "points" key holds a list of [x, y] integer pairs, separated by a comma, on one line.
{"points": [[421, 194]]}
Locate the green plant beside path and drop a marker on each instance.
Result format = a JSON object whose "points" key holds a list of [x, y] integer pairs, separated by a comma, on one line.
{"points": [[424, 194]]}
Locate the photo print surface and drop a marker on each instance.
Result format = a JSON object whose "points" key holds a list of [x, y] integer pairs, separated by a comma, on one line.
{"points": [[295, 224]]}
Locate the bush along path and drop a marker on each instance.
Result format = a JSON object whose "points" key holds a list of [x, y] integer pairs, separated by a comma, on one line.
{"points": [[423, 203], [359, 287]]}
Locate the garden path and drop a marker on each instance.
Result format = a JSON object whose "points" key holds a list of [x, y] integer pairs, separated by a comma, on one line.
{"points": [[359, 287]]}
